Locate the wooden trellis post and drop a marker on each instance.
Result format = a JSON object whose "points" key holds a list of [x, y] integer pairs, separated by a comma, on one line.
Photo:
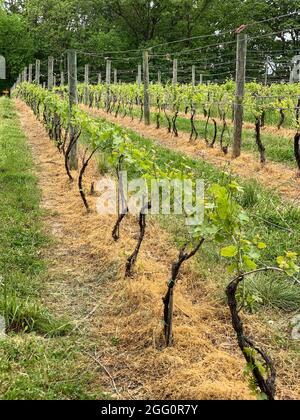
{"points": [[266, 72], [146, 87], [30, 73], [159, 77], [240, 91], [2, 67], [175, 71], [108, 81], [86, 85], [194, 75], [37, 72], [50, 73], [73, 100], [139, 76], [108, 72]]}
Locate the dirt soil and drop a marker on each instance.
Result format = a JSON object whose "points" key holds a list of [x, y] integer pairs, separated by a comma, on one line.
{"points": [[121, 320], [275, 176]]}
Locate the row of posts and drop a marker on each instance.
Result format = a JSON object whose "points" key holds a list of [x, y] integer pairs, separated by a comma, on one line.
{"points": [[27, 74], [143, 77]]}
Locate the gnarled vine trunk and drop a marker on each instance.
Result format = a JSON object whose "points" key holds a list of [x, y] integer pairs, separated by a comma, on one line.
{"points": [[194, 132], [206, 125], [215, 133], [80, 179], [158, 114], [133, 257], [168, 300], [261, 147], [249, 350], [297, 150], [224, 129], [281, 120], [174, 126], [168, 120], [73, 139]]}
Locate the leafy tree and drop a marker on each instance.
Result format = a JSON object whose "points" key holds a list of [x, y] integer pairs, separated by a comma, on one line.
{"points": [[16, 45], [116, 25], [14, 6]]}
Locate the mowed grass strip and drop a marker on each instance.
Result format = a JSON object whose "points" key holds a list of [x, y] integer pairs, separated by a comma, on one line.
{"points": [[39, 357], [279, 148]]}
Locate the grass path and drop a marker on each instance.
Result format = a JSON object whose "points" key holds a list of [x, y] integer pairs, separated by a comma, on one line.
{"points": [[279, 144], [39, 359]]}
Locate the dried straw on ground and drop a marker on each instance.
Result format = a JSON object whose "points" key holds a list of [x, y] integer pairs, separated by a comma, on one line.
{"points": [[122, 319]]}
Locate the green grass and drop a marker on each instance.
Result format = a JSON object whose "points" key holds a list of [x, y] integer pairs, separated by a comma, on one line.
{"points": [[33, 368], [39, 358], [278, 148], [275, 292], [274, 220]]}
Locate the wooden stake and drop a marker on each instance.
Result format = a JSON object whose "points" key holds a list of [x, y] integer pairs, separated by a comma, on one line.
{"points": [[266, 72], [108, 72], [240, 91], [37, 72], [73, 100], [146, 87], [30, 73], [86, 85], [194, 75], [50, 73], [175, 71], [159, 77], [139, 76]]}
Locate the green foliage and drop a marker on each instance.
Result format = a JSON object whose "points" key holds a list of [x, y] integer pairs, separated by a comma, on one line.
{"points": [[248, 373], [288, 263], [16, 45], [40, 28], [226, 222], [216, 99]]}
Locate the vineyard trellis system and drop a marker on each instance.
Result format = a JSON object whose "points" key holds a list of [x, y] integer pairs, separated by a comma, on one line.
{"points": [[209, 102], [218, 105], [223, 217]]}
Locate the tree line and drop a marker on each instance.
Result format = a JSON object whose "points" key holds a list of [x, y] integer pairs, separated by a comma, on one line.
{"points": [[32, 29]]}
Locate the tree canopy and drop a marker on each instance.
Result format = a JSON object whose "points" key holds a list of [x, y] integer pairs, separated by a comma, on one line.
{"points": [[31, 29]]}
